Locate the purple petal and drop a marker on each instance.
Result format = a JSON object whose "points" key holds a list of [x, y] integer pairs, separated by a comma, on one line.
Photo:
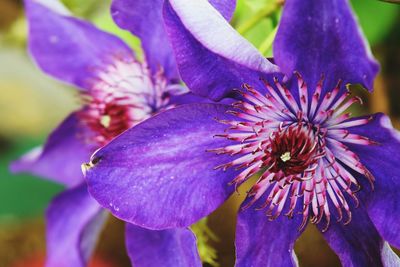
{"points": [[225, 7], [67, 48], [212, 57], [190, 98], [382, 160], [152, 248], [322, 37], [261, 242], [61, 158], [74, 221], [158, 174], [359, 243], [187, 98], [144, 19]]}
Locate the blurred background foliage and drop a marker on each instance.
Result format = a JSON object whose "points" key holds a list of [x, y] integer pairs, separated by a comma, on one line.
{"points": [[32, 104]]}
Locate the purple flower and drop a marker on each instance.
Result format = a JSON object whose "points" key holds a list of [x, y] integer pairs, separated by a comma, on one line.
{"points": [[316, 163], [117, 92]]}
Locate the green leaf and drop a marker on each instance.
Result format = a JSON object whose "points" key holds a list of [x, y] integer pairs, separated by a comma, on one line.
{"points": [[104, 21], [22, 195], [258, 11], [376, 18]]}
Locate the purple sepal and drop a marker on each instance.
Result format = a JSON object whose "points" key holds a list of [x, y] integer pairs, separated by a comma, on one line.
{"points": [[382, 160], [68, 48], [225, 7], [190, 98], [152, 248], [213, 59], [358, 243], [74, 220], [144, 19], [159, 174], [262, 242], [61, 157], [323, 37]]}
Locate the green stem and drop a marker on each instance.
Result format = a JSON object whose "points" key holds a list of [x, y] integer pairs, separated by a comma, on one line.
{"points": [[265, 12], [267, 43]]}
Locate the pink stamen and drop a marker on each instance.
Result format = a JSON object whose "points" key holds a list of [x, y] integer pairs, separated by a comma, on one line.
{"points": [[299, 148], [122, 94]]}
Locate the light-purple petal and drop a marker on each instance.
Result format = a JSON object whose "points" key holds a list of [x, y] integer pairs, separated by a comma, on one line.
{"points": [[158, 174], [323, 37], [68, 48], [382, 160], [154, 248], [389, 257], [74, 220], [212, 57], [62, 155], [261, 242]]}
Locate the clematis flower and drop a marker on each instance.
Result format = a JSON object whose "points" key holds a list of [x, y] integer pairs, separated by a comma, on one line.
{"points": [[117, 92], [316, 163]]}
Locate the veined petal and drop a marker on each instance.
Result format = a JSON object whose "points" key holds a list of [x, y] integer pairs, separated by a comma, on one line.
{"points": [[74, 220], [68, 48], [61, 157], [212, 57], [358, 243], [159, 174], [187, 98], [322, 38], [152, 248], [225, 7], [261, 242], [190, 98], [144, 19], [382, 160]]}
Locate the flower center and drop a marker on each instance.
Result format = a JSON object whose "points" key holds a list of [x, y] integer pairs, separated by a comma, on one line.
{"points": [[292, 150], [299, 147], [122, 95], [285, 157]]}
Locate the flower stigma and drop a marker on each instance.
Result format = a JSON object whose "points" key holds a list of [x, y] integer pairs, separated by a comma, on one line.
{"points": [[285, 156], [299, 147]]}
